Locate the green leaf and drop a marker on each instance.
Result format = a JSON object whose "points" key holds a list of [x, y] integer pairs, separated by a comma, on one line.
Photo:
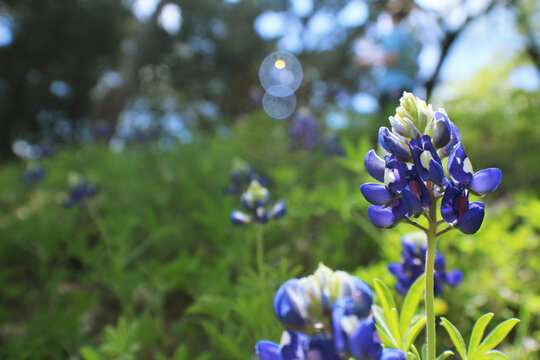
{"points": [[412, 356], [496, 336], [478, 332], [385, 297], [413, 332], [444, 355], [382, 328], [410, 304], [394, 326], [89, 353], [456, 337], [492, 354], [385, 337]]}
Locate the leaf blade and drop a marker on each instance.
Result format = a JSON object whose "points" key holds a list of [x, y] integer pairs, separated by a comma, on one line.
{"points": [[496, 336], [456, 337], [410, 303], [478, 332]]}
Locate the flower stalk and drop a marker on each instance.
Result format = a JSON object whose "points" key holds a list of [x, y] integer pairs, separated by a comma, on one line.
{"points": [[431, 235]]}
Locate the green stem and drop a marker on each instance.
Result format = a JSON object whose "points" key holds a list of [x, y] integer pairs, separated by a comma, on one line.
{"points": [[260, 266], [430, 265]]}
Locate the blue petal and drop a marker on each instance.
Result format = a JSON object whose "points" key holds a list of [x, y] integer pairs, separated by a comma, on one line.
{"points": [[391, 143], [287, 307], [443, 131], [279, 210], [454, 139], [400, 209], [239, 218], [448, 202], [377, 194], [293, 348], [485, 181], [362, 342], [380, 216], [454, 277], [436, 172], [260, 215], [472, 219], [267, 350], [413, 203], [392, 354], [375, 165], [456, 165]]}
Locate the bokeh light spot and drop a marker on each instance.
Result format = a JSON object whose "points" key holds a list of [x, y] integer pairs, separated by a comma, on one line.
{"points": [[280, 74]]}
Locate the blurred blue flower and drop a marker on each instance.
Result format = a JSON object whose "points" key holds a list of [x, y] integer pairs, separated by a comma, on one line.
{"points": [[80, 192], [33, 176], [254, 201], [327, 316], [241, 176], [304, 131], [414, 262]]}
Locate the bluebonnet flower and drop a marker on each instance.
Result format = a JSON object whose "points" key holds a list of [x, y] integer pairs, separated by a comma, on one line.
{"points": [[255, 200], [33, 176], [80, 192], [414, 262], [412, 172], [241, 176], [304, 131], [327, 316]]}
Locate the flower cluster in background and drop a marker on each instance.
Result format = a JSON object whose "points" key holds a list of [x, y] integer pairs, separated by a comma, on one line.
{"points": [[33, 175], [412, 172], [414, 263], [304, 130], [327, 316], [80, 192], [255, 201], [242, 174]]}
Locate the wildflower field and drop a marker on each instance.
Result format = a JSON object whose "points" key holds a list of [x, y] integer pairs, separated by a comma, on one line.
{"points": [[151, 266]]}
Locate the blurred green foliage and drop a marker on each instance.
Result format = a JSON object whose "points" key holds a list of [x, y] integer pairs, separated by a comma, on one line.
{"points": [[152, 267]]}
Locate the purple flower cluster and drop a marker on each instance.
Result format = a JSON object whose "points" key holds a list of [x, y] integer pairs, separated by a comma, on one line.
{"points": [[33, 176], [82, 191], [412, 173], [414, 263], [327, 316], [255, 200], [304, 131]]}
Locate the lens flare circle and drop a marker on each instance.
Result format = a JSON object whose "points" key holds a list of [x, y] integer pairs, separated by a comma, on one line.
{"points": [[278, 107], [280, 71]]}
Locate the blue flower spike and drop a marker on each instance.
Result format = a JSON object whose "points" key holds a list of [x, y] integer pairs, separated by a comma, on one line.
{"points": [[255, 200], [412, 175], [414, 262], [328, 316]]}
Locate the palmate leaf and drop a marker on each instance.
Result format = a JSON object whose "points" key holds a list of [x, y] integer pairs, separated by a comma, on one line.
{"points": [[494, 338], [394, 330], [480, 350], [478, 332]]}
